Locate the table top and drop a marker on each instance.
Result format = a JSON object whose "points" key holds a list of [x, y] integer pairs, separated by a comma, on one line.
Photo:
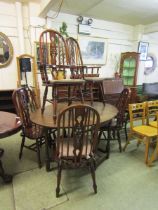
{"points": [[107, 112], [9, 124]]}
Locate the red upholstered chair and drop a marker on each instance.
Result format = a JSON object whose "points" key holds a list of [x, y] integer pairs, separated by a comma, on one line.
{"points": [[54, 60], [77, 134], [78, 70]]}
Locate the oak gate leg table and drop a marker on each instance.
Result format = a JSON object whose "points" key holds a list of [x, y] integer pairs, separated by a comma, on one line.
{"points": [[9, 125]]}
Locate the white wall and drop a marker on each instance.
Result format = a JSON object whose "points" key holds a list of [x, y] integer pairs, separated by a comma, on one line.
{"points": [[119, 38]]}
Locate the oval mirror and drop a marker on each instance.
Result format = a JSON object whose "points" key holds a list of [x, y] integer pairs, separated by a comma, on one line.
{"points": [[6, 50]]}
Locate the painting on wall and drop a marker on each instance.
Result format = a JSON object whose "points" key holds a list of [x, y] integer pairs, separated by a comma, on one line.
{"points": [[93, 50], [143, 50]]}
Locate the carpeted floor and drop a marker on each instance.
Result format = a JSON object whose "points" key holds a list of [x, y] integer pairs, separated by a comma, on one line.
{"points": [[124, 182]]}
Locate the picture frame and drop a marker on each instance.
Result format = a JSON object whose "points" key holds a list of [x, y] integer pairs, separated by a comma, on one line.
{"points": [[143, 50], [93, 50]]}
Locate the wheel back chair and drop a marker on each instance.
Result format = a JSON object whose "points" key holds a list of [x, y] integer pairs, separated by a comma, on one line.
{"points": [[77, 134], [54, 60], [24, 102], [139, 129], [114, 127], [89, 73]]}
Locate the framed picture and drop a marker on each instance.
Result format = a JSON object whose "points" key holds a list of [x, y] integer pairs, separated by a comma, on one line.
{"points": [[143, 50], [93, 50]]}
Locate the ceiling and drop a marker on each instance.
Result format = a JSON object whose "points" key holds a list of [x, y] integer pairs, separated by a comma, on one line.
{"points": [[132, 12]]}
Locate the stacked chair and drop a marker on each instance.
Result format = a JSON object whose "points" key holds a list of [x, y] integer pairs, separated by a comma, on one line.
{"points": [[54, 63], [89, 73]]}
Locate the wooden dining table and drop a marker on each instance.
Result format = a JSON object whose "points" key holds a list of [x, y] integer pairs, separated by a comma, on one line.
{"points": [[106, 112], [9, 125]]}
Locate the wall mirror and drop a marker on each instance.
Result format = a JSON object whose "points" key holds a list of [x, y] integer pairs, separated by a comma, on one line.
{"points": [[150, 64], [6, 50]]}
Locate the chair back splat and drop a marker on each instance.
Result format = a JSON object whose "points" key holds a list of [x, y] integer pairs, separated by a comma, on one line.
{"points": [[77, 134]]}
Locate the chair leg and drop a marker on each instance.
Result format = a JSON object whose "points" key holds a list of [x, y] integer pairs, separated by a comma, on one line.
{"points": [[119, 140], [128, 142], [92, 169], [21, 147], [147, 143], [125, 128], [154, 154], [58, 178], [102, 92], [44, 99], [38, 153]]}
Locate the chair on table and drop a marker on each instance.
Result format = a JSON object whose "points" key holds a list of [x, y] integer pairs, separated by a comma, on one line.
{"points": [[89, 73], [114, 127], [24, 102], [77, 134], [138, 128], [53, 56]]}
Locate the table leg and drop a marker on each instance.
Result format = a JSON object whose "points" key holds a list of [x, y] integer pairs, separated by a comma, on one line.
{"points": [[47, 158], [6, 177]]}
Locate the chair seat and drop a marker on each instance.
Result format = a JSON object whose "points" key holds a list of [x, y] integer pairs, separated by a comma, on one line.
{"points": [[96, 79], [145, 130], [67, 81], [153, 124]]}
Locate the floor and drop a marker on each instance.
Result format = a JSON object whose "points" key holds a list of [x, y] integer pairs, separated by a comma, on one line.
{"points": [[124, 182]]}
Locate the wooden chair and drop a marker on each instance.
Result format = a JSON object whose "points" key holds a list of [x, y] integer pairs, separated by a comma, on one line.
{"points": [[24, 102], [114, 127], [138, 128], [77, 132], [151, 111], [54, 61], [89, 73]]}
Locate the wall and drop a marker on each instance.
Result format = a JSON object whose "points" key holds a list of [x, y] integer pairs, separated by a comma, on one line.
{"points": [[119, 38]]}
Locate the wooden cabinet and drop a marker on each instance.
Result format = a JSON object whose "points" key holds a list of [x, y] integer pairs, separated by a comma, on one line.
{"points": [[128, 71], [112, 89], [6, 103]]}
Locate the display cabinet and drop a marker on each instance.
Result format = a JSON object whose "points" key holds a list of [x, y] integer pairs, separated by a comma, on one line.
{"points": [[129, 67], [128, 71]]}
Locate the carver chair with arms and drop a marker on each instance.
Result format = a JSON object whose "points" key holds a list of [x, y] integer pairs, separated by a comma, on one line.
{"points": [[24, 102], [54, 60], [89, 73], [77, 134], [138, 128], [114, 127]]}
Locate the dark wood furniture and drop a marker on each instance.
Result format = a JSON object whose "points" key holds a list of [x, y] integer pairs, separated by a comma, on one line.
{"points": [[113, 128], [128, 70], [9, 125], [112, 89], [77, 147], [106, 113], [6, 103], [54, 58], [90, 74], [24, 101]]}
